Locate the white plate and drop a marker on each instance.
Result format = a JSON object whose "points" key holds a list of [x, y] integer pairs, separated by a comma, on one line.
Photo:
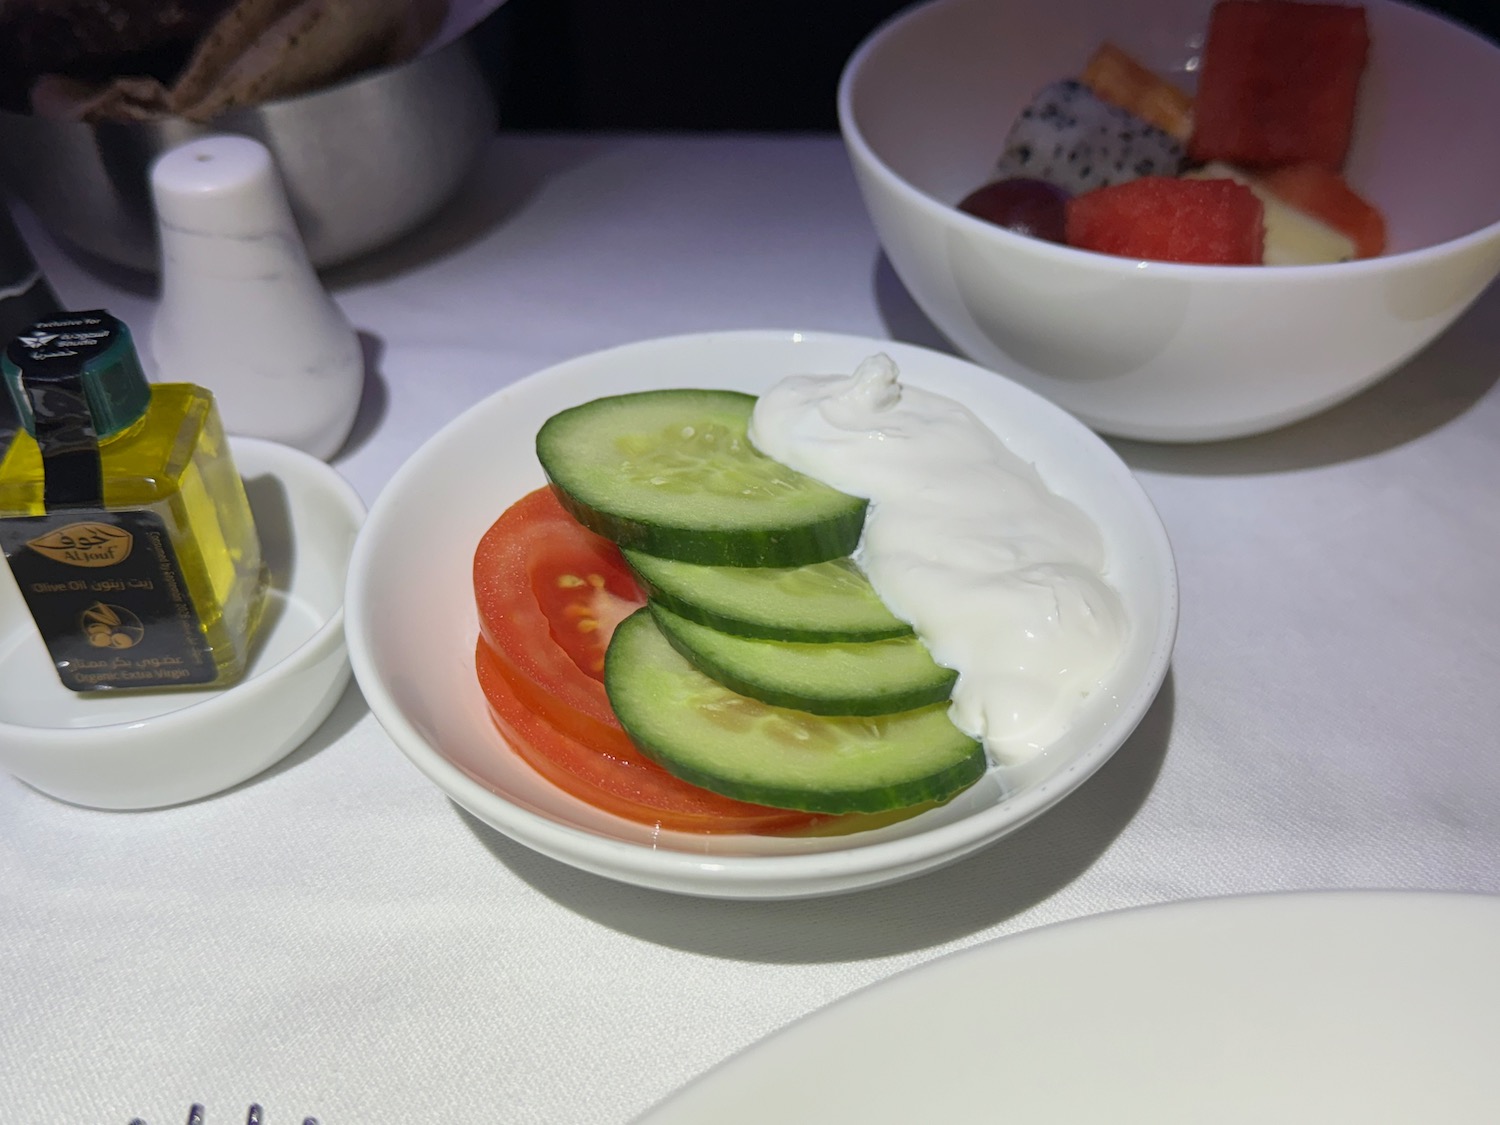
{"points": [[1327, 1008], [412, 621]]}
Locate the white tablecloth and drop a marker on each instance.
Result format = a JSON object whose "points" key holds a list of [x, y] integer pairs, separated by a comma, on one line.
{"points": [[336, 939]]}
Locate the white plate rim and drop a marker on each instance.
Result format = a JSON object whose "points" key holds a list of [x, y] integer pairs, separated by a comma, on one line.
{"points": [[745, 876], [895, 1015]]}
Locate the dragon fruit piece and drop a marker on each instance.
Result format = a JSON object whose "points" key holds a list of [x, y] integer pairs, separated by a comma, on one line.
{"points": [[1070, 137]]}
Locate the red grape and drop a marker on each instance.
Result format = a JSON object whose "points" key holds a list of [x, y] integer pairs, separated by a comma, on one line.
{"points": [[1031, 207]]}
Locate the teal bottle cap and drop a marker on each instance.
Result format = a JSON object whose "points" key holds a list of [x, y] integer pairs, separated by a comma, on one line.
{"points": [[97, 348]]}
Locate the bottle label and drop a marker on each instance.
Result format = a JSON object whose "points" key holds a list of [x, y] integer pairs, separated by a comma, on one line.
{"points": [[107, 593]]}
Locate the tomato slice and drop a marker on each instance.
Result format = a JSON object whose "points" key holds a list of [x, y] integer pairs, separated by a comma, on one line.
{"points": [[615, 777], [550, 593]]}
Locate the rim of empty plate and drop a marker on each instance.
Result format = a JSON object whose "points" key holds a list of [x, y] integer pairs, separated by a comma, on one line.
{"points": [[1156, 975]]}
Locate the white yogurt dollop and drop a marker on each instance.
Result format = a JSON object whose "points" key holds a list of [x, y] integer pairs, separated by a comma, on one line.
{"points": [[1001, 578]]}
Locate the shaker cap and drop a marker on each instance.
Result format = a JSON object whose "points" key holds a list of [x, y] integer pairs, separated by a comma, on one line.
{"points": [[93, 345]]}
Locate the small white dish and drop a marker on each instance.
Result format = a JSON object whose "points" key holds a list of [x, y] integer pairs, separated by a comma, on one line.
{"points": [[412, 620], [151, 749], [1374, 1008]]}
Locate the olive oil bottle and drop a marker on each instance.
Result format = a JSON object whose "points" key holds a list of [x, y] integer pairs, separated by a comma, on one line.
{"points": [[122, 515]]}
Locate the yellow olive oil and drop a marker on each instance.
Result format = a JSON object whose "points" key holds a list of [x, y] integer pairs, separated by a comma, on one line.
{"points": [[149, 574]]}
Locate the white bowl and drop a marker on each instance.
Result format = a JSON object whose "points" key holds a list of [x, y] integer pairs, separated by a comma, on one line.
{"points": [[412, 622], [1165, 351], [150, 749]]}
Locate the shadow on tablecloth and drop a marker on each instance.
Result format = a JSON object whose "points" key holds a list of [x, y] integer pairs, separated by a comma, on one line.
{"points": [[1434, 387], [504, 180], [973, 895]]}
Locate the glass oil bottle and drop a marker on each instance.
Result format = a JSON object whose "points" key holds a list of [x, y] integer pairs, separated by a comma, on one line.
{"points": [[122, 516]]}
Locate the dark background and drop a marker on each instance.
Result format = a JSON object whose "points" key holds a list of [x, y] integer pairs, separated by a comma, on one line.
{"points": [[704, 64]]}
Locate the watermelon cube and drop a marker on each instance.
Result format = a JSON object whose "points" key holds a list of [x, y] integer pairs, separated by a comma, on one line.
{"points": [[1326, 195], [1208, 222], [1278, 83]]}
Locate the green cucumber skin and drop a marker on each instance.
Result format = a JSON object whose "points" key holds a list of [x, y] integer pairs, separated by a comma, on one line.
{"points": [[727, 599], [782, 547], [790, 521], [834, 678], [860, 764]]}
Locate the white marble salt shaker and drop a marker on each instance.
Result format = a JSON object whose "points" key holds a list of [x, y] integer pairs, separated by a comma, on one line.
{"points": [[242, 311]]}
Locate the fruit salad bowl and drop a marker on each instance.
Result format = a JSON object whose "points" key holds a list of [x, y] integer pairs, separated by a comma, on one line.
{"points": [[1157, 350]]}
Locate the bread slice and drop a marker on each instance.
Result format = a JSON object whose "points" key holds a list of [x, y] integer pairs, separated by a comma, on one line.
{"points": [[266, 49]]}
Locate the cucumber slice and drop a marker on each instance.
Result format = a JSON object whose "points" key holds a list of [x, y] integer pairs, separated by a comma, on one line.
{"points": [[713, 737], [826, 601], [673, 473], [836, 678]]}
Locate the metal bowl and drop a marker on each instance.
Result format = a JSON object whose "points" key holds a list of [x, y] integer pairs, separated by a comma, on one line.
{"points": [[363, 162]]}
